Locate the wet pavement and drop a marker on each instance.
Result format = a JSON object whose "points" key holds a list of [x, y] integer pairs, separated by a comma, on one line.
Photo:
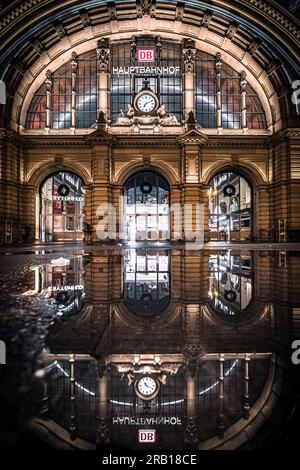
{"points": [[211, 331]]}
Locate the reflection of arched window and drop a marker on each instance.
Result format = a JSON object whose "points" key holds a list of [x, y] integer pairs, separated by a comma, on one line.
{"points": [[146, 281], [63, 281], [217, 415], [62, 201], [146, 207], [230, 289], [230, 206]]}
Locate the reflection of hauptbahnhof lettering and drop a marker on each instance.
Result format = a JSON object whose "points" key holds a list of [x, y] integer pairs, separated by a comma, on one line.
{"points": [[160, 102]]}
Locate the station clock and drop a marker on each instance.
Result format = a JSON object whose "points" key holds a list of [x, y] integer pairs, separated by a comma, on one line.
{"points": [[146, 387], [146, 102]]}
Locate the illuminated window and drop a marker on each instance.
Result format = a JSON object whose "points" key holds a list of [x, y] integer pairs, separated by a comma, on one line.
{"points": [[86, 90], [231, 98], [62, 97], [123, 87], [167, 85], [205, 90], [230, 206], [36, 117], [256, 118]]}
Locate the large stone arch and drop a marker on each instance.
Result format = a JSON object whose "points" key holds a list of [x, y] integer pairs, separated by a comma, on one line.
{"points": [[259, 80], [160, 167], [36, 177], [246, 169]]}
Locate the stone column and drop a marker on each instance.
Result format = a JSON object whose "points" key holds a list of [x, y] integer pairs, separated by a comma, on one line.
{"points": [[246, 386], [176, 214], [190, 395], [243, 84], [189, 56], [101, 194], [48, 82], [221, 397], [218, 90], [74, 65], [102, 437], [261, 214], [103, 60], [73, 426]]}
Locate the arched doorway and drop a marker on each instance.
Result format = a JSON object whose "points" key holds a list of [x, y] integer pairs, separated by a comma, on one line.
{"points": [[230, 207], [62, 208], [146, 207]]}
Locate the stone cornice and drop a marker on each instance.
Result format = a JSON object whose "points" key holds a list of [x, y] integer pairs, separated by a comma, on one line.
{"points": [[145, 141]]}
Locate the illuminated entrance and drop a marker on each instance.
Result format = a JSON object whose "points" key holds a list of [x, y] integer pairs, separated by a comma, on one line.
{"points": [[146, 207], [61, 208], [230, 207]]}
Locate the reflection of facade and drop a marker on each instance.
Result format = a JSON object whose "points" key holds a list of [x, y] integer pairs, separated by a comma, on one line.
{"points": [[215, 376], [185, 93], [231, 280], [62, 281], [146, 281]]}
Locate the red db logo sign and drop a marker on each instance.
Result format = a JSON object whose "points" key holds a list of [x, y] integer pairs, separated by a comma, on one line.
{"points": [[146, 436], [146, 55]]}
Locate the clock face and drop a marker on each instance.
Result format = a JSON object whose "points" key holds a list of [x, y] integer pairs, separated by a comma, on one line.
{"points": [[146, 103], [146, 387]]}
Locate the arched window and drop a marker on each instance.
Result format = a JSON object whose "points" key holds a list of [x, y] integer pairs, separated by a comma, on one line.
{"points": [[69, 96], [230, 96], [230, 207], [61, 208], [146, 207]]}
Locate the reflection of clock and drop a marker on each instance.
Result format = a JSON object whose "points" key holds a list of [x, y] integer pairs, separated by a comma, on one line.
{"points": [[146, 102], [146, 387]]}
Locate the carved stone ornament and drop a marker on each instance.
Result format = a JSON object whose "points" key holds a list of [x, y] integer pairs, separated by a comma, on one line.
{"points": [[145, 7], [189, 55], [191, 434], [103, 55], [243, 80], [102, 437], [161, 371], [161, 118]]}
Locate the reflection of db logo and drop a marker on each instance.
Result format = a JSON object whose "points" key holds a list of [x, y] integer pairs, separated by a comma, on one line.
{"points": [[146, 436], [146, 55]]}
